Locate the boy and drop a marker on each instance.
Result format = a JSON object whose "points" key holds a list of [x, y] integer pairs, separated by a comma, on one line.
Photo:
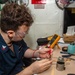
{"points": [[15, 23]]}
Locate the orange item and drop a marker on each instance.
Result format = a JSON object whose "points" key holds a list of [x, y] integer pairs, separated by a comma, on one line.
{"points": [[53, 41]]}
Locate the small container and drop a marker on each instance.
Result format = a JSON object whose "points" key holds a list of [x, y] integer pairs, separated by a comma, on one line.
{"points": [[71, 48], [60, 65]]}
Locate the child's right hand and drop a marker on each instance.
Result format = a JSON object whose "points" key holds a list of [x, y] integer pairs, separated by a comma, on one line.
{"points": [[40, 66]]}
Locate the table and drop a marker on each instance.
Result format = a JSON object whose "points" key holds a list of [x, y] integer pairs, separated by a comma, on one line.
{"points": [[70, 66]]}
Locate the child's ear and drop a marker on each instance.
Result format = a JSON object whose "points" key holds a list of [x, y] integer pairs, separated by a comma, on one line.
{"points": [[10, 33]]}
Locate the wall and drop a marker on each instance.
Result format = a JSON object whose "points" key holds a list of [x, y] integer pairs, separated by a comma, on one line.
{"points": [[47, 22]]}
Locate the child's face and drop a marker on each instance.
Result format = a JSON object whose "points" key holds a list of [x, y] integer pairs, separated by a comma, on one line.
{"points": [[20, 33]]}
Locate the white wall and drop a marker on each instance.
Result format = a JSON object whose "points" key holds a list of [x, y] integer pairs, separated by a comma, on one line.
{"points": [[47, 22]]}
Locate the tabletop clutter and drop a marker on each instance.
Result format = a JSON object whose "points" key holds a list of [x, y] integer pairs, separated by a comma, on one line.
{"points": [[66, 51]]}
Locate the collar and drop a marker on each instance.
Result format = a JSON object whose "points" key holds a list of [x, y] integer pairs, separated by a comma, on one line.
{"points": [[4, 48], [3, 45]]}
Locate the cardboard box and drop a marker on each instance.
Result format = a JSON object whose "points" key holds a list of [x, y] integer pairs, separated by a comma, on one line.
{"points": [[68, 38]]}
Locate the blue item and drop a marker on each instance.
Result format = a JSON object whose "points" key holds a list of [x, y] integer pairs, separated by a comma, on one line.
{"points": [[71, 49]]}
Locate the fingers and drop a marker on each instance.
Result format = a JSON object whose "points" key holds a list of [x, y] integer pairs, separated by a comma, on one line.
{"points": [[44, 50], [41, 65], [46, 63], [48, 56]]}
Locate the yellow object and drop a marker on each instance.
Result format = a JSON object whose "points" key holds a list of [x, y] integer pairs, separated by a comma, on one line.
{"points": [[53, 41], [58, 46], [49, 38], [52, 72]]}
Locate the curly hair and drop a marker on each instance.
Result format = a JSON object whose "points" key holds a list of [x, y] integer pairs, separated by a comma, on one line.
{"points": [[14, 15]]}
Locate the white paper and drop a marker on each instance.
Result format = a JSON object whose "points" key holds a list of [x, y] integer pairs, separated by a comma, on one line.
{"points": [[70, 30]]}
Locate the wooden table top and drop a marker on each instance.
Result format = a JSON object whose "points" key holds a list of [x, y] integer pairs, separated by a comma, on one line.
{"points": [[69, 65]]}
